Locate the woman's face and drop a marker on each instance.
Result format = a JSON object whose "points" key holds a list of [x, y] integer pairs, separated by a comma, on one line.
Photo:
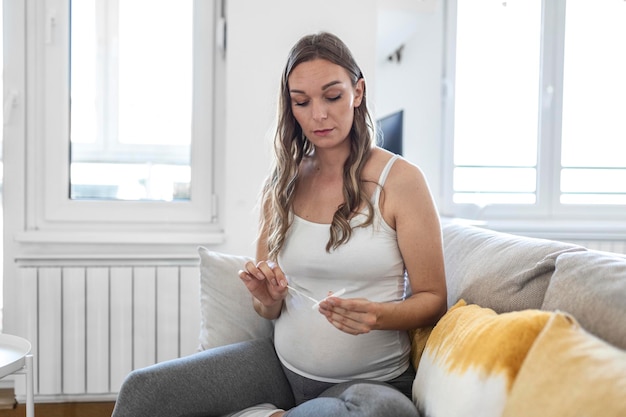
{"points": [[323, 100]]}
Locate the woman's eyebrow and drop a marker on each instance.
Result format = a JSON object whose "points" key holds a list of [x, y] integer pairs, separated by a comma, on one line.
{"points": [[324, 87], [330, 84]]}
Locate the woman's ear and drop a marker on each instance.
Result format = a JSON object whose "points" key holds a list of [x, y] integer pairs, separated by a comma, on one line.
{"points": [[359, 92]]}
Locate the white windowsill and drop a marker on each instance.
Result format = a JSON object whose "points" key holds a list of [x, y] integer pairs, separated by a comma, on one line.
{"points": [[122, 238], [39, 248], [553, 229]]}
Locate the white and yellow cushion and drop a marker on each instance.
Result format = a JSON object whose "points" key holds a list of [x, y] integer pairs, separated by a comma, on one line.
{"points": [[471, 359], [569, 373]]}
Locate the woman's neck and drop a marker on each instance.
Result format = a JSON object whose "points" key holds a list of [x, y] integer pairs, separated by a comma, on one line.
{"points": [[329, 162]]}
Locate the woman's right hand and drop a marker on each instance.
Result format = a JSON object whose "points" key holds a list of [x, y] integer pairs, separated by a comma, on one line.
{"points": [[266, 281]]}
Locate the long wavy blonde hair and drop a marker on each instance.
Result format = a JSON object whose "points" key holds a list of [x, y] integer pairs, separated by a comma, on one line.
{"points": [[291, 146]]}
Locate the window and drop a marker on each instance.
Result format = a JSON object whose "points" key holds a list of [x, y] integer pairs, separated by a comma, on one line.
{"points": [[534, 116], [123, 120]]}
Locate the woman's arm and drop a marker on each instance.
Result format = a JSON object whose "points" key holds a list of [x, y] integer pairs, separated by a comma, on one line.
{"points": [[265, 279], [409, 208], [420, 242]]}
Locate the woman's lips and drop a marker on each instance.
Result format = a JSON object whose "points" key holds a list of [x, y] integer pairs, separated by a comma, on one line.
{"points": [[322, 132]]}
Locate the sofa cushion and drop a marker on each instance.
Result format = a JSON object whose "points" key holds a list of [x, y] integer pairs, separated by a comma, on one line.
{"points": [[471, 359], [498, 270], [225, 304], [419, 337], [569, 372], [591, 286]]}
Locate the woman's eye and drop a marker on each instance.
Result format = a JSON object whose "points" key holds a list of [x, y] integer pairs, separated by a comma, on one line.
{"points": [[334, 98], [301, 103]]}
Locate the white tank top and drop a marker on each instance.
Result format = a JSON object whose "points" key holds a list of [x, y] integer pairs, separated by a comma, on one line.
{"points": [[368, 266]]}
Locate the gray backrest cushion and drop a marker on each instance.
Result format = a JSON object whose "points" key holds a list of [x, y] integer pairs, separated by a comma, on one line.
{"points": [[497, 270], [591, 286]]}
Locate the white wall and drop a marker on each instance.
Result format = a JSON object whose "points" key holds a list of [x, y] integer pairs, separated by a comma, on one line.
{"points": [[414, 84]]}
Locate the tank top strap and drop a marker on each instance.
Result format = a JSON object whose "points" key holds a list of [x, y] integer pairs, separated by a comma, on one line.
{"points": [[383, 178]]}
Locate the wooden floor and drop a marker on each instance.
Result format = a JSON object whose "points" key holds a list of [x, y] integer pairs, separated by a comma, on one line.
{"points": [[8, 408], [63, 410]]}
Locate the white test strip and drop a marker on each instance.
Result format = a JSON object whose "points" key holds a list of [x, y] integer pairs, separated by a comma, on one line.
{"points": [[303, 294], [335, 294]]}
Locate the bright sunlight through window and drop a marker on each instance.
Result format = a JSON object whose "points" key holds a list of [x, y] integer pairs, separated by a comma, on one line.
{"points": [[539, 103], [131, 99]]}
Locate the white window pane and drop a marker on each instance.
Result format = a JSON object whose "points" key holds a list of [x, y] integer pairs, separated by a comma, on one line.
{"points": [[84, 105], [484, 199], [130, 181], [497, 82], [494, 185], [594, 85], [131, 99], [592, 198], [155, 71], [593, 186], [590, 180], [594, 103], [495, 179]]}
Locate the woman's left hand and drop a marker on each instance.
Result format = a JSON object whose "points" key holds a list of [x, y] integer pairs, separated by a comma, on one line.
{"points": [[353, 316]]}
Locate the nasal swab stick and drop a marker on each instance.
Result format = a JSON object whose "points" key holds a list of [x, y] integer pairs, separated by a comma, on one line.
{"points": [[335, 294], [303, 294], [317, 303]]}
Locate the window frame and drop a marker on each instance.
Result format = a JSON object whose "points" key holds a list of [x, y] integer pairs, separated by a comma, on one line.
{"points": [[548, 208], [50, 212]]}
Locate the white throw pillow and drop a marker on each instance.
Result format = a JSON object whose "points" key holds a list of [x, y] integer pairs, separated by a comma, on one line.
{"points": [[225, 304]]}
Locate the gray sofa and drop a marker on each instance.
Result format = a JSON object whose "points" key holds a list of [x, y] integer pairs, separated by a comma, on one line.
{"points": [[535, 327], [506, 272]]}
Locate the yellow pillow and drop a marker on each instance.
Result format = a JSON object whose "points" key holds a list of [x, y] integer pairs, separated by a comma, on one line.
{"points": [[471, 359], [418, 343], [569, 372]]}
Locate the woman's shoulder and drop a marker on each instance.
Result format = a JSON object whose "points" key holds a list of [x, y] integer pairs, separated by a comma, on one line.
{"points": [[405, 190], [401, 172]]}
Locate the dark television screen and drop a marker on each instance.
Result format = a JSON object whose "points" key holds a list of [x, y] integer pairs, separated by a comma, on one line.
{"points": [[390, 131]]}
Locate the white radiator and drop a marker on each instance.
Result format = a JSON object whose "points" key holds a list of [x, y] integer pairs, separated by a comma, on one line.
{"points": [[91, 325]]}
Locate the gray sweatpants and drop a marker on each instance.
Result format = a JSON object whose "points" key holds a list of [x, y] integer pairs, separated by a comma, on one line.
{"points": [[230, 378]]}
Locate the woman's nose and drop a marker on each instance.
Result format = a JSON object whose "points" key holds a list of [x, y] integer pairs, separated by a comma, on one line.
{"points": [[319, 110]]}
